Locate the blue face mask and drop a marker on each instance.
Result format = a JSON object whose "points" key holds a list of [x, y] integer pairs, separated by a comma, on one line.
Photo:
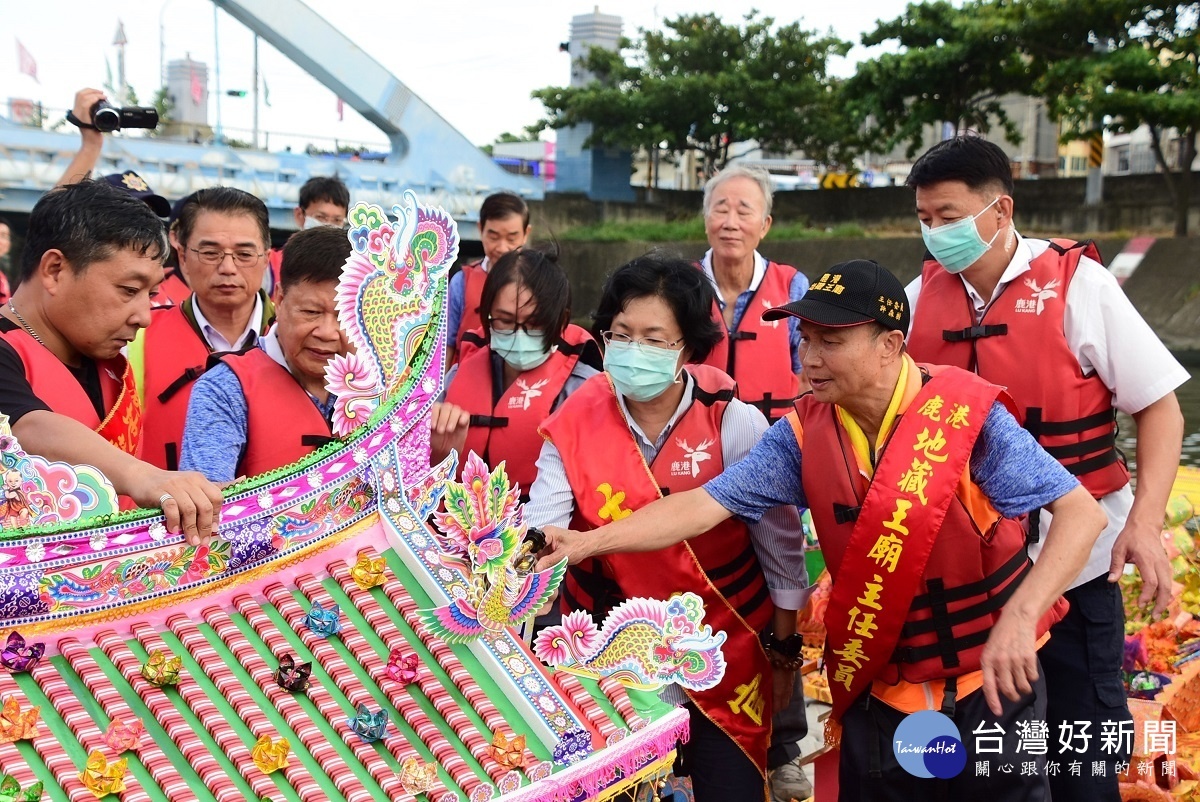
{"points": [[641, 372], [522, 350], [956, 246]]}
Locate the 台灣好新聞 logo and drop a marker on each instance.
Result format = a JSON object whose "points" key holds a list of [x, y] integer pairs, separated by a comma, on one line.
{"points": [[928, 744]]}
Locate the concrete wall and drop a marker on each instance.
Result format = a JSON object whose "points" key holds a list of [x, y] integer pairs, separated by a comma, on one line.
{"points": [[1133, 203]]}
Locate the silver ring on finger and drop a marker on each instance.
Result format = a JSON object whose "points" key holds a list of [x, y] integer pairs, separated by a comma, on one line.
{"points": [[164, 498]]}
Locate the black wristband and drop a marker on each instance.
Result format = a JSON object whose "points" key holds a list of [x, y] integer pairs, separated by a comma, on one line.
{"points": [[789, 647], [78, 123]]}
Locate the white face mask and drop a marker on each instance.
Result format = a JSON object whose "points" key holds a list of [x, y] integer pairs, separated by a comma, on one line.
{"points": [[956, 246]]}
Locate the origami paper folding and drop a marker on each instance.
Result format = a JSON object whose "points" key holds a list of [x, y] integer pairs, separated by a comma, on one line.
{"points": [[324, 622], [369, 726], [16, 724], [367, 572], [11, 791], [120, 736], [292, 677], [509, 753], [402, 667], [270, 755], [417, 777], [160, 670], [18, 657], [101, 777]]}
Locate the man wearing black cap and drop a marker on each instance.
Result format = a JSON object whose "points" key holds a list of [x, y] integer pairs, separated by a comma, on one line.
{"points": [[915, 476]]}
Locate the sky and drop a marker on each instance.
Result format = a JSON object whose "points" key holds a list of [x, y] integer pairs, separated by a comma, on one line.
{"points": [[474, 62]]}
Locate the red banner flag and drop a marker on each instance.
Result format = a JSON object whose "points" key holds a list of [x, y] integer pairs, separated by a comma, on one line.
{"points": [[341, 110], [25, 62], [197, 87]]}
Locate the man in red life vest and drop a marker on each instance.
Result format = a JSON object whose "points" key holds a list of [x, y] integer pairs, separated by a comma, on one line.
{"points": [[914, 475], [222, 238], [1047, 321], [503, 227], [324, 201], [267, 407], [762, 356], [92, 260]]}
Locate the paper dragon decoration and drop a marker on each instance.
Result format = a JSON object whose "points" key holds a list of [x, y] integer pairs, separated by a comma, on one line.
{"points": [[483, 526], [36, 492], [388, 287], [644, 643]]}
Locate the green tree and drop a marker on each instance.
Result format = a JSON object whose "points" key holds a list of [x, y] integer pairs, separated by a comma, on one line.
{"points": [[954, 66], [701, 83], [1119, 65]]}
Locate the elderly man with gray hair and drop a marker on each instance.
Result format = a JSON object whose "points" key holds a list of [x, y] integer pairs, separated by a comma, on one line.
{"points": [[762, 356]]}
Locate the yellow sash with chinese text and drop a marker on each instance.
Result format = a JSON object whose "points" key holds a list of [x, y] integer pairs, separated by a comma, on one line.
{"points": [[881, 572], [123, 425]]}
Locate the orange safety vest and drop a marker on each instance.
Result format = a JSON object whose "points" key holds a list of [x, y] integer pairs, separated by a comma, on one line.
{"points": [[504, 423], [58, 388], [174, 357], [173, 290], [1070, 414], [758, 353], [283, 424], [609, 478], [921, 562]]}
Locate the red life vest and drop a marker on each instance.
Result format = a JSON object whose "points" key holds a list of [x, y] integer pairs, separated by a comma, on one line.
{"points": [[275, 269], [977, 560], [1070, 414], [473, 278], [58, 388], [173, 291], [283, 424], [609, 478], [758, 353], [504, 424], [5, 290], [174, 357]]}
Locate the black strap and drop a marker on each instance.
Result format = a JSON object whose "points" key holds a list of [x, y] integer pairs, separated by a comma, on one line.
{"points": [[1074, 425], [734, 338], [989, 582], [733, 587], [844, 514], [172, 454], [974, 332], [1034, 532], [473, 338], [1102, 442], [949, 696], [489, 421], [767, 404], [186, 378], [748, 609], [317, 440], [915, 654], [78, 123], [1094, 463], [985, 607], [733, 566], [708, 399]]}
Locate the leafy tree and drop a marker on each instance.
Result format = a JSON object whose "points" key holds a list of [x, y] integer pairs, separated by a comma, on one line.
{"points": [[1118, 65], [707, 85], [954, 66]]}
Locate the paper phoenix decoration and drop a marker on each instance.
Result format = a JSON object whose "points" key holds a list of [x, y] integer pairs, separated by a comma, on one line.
{"points": [[644, 643], [383, 300], [483, 525]]}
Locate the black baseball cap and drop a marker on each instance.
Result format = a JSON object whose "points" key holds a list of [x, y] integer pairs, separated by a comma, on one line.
{"points": [[850, 294], [136, 186]]}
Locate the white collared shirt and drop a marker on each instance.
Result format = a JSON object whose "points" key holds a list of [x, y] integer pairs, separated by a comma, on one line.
{"points": [[760, 270], [1109, 338], [216, 341]]}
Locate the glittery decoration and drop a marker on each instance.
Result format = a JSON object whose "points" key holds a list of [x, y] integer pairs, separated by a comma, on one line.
{"points": [[101, 777], [369, 726], [402, 667], [367, 572], [324, 622], [120, 736], [270, 755], [18, 657], [160, 669], [417, 777], [508, 752], [292, 677], [17, 724]]}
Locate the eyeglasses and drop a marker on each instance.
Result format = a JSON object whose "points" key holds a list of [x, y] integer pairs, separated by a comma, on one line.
{"points": [[328, 220], [213, 257], [648, 342], [508, 326]]}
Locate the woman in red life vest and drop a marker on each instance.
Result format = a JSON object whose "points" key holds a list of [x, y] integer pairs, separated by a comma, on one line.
{"points": [[654, 424], [524, 362]]}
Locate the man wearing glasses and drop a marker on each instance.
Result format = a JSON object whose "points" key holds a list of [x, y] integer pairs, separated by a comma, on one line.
{"points": [[222, 238], [268, 406]]}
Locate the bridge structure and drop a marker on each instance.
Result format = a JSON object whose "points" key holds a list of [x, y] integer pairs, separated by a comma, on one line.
{"points": [[428, 155]]}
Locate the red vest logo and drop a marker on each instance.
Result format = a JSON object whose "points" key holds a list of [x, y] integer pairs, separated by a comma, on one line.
{"points": [[528, 393], [694, 456], [1037, 304]]}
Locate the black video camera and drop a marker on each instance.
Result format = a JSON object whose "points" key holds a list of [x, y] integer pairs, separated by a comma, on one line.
{"points": [[107, 117]]}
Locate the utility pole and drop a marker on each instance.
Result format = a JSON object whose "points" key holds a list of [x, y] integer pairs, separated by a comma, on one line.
{"points": [[120, 41], [217, 74], [256, 91], [1093, 192]]}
